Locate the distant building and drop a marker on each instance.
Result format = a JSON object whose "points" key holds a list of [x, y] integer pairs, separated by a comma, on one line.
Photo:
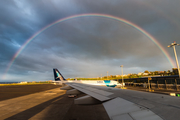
{"points": [[145, 73], [175, 71], [23, 82], [118, 75], [160, 72], [140, 73], [129, 74]]}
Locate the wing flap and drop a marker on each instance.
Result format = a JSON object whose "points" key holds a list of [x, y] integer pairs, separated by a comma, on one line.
{"points": [[120, 109]]}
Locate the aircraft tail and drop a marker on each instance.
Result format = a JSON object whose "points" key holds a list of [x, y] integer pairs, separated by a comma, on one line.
{"points": [[58, 76]]}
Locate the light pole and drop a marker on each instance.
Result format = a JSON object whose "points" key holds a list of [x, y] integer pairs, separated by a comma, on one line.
{"points": [[122, 75], [107, 75], [173, 45]]}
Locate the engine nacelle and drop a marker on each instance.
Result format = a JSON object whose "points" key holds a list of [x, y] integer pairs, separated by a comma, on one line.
{"points": [[86, 100], [66, 88], [73, 92]]}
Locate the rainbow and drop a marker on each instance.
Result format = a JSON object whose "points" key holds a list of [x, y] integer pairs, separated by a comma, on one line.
{"points": [[90, 15]]}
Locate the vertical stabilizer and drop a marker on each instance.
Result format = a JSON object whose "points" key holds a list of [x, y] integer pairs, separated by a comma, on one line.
{"points": [[58, 76]]}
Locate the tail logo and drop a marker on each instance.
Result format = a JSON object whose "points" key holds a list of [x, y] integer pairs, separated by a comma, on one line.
{"points": [[57, 74]]}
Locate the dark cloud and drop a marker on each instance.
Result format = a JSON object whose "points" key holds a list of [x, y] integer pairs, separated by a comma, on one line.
{"points": [[85, 46]]}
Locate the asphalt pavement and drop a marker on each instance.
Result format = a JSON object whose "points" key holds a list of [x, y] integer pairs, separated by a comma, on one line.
{"points": [[51, 104]]}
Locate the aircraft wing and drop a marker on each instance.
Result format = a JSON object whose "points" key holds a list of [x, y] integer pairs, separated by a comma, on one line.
{"points": [[95, 91], [122, 104]]}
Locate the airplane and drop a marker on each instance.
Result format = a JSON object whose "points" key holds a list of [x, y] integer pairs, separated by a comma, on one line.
{"points": [[123, 104], [108, 83]]}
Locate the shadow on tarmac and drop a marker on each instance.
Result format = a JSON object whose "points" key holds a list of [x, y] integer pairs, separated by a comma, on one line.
{"points": [[27, 114], [62, 108]]}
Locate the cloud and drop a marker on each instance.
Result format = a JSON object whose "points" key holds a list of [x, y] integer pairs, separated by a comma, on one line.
{"points": [[85, 46]]}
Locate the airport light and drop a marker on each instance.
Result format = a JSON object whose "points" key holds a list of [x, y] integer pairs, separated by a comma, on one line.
{"points": [[122, 75], [107, 75], [173, 45]]}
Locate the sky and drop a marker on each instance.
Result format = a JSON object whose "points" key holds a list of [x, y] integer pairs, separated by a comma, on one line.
{"points": [[84, 38]]}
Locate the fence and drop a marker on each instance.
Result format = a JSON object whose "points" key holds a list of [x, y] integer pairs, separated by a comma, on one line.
{"points": [[168, 82]]}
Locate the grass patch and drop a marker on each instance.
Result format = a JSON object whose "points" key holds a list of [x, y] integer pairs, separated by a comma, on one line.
{"points": [[11, 84]]}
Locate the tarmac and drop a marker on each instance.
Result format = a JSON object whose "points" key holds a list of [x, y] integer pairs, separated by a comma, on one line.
{"points": [[12, 91], [51, 104], [48, 102]]}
